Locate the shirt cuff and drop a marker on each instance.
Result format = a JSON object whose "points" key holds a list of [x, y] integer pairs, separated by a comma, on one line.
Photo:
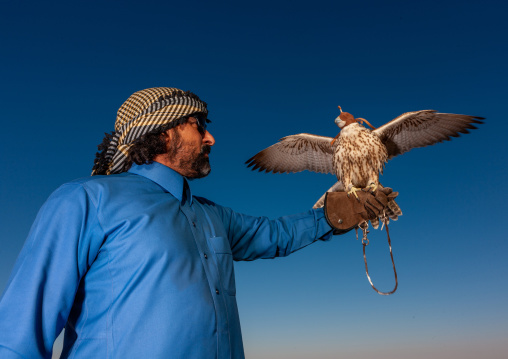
{"points": [[323, 230]]}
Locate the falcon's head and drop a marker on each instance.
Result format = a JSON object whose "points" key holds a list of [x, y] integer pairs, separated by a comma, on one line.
{"points": [[344, 119]]}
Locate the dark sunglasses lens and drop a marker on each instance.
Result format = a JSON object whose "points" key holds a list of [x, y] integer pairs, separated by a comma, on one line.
{"points": [[202, 122]]}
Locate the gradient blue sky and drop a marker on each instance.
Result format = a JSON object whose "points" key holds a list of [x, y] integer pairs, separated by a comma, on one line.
{"points": [[269, 69]]}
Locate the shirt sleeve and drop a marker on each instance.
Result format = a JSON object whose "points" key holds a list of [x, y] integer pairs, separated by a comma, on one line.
{"points": [[63, 242], [259, 237]]}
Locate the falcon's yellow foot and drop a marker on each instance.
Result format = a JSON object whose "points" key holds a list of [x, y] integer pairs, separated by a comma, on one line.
{"points": [[353, 190]]}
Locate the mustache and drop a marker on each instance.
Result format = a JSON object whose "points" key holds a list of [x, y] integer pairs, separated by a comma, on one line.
{"points": [[205, 149]]}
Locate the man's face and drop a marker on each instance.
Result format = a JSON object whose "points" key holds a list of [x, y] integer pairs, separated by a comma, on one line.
{"points": [[188, 147]]}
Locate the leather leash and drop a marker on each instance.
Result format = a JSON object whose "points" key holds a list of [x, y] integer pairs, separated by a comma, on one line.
{"points": [[365, 242]]}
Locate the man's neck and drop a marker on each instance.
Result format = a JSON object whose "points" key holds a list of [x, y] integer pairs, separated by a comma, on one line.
{"points": [[164, 160]]}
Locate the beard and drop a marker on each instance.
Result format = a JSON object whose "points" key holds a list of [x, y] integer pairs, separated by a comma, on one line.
{"points": [[193, 165], [201, 165]]}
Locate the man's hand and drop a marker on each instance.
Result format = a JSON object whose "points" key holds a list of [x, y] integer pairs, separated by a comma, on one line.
{"points": [[344, 213]]}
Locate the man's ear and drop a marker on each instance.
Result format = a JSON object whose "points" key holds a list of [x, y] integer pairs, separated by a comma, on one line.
{"points": [[167, 136], [164, 137]]}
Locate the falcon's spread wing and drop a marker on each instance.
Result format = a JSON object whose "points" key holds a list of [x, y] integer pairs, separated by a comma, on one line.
{"points": [[422, 128], [294, 154]]}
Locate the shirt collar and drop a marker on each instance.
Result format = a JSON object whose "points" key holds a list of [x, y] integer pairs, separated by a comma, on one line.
{"points": [[170, 180]]}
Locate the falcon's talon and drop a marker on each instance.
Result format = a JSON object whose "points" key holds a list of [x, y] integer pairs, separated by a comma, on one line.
{"points": [[373, 187], [353, 190]]}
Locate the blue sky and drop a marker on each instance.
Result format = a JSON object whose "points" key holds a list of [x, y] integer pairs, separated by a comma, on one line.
{"points": [[269, 69]]}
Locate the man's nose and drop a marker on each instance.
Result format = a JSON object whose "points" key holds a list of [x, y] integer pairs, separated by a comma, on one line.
{"points": [[208, 139]]}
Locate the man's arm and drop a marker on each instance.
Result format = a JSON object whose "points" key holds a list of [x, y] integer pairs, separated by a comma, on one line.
{"points": [[62, 244], [259, 237]]}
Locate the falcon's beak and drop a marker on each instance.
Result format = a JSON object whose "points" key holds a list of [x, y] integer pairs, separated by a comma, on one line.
{"points": [[339, 122]]}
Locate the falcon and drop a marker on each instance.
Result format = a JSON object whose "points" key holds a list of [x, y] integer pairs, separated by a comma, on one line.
{"points": [[357, 155]]}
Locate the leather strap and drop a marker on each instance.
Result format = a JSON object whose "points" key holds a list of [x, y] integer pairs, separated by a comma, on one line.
{"points": [[365, 243]]}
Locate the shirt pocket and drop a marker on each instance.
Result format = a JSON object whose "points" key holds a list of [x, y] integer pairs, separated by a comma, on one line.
{"points": [[224, 257]]}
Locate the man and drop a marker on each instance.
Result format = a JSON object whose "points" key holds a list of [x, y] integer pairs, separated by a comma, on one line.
{"points": [[129, 261]]}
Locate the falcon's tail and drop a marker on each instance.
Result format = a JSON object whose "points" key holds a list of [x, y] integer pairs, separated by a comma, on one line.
{"points": [[393, 210]]}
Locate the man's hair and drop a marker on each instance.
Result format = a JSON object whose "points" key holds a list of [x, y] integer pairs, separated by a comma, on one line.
{"points": [[143, 150]]}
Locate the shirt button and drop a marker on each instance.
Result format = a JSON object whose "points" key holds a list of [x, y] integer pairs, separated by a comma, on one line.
{"points": [[217, 291], [206, 257]]}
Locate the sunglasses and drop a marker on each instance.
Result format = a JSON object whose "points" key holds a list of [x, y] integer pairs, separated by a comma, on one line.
{"points": [[202, 121]]}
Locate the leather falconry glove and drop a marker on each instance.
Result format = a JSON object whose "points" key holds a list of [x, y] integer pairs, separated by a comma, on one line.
{"points": [[344, 213]]}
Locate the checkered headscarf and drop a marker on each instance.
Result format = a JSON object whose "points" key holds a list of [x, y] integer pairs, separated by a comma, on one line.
{"points": [[143, 112]]}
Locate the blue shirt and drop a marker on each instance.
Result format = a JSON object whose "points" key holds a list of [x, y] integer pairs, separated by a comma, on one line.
{"points": [[134, 266]]}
